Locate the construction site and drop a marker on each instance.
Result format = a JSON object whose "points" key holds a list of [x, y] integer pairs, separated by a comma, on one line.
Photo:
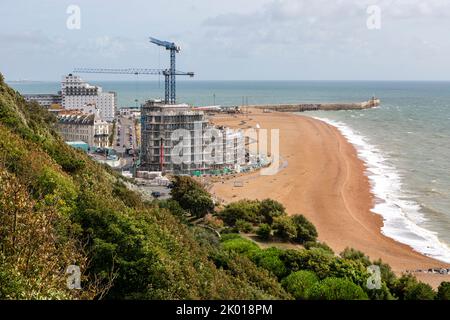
{"points": [[160, 120]]}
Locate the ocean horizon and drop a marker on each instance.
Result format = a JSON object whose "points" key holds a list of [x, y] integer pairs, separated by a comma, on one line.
{"points": [[403, 142]]}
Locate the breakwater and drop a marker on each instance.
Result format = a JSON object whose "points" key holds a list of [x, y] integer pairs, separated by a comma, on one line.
{"points": [[300, 107]]}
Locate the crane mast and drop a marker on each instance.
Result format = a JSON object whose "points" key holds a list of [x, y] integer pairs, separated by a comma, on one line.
{"points": [[170, 81]]}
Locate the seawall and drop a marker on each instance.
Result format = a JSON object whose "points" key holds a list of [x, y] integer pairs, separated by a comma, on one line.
{"points": [[300, 107]]}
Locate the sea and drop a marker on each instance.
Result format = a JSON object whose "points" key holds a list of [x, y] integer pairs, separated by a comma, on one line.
{"points": [[405, 142]]}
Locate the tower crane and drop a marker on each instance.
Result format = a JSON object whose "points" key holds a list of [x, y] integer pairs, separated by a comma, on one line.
{"points": [[173, 48], [169, 74]]}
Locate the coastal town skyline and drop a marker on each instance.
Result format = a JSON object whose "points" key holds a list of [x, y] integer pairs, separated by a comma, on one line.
{"points": [[304, 155]]}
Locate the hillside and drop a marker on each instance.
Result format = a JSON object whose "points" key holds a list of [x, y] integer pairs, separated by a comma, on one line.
{"points": [[59, 208]]}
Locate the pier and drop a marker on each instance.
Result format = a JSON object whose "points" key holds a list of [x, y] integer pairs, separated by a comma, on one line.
{"points": [[334, 106]]}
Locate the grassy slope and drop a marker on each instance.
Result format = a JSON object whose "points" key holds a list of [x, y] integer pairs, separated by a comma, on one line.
{"points": [[149, 251]]}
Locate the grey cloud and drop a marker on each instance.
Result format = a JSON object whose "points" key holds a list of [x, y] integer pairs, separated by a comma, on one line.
{"points": [[25, 38]]}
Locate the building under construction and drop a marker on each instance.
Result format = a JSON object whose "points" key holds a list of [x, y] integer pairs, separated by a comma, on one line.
{"points": [[159, 121]]}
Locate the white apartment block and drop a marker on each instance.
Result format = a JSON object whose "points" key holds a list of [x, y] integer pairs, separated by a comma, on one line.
{"points": [[89, 128], [78, 94]]}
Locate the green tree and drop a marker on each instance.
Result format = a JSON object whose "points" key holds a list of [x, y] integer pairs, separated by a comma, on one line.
{"points": [[284, 228], [316, 244], [270, 209], [420, 291], [241, 210], [269, 259], [305, 230], [240, 245], [408, 288], [192, 196], [243, 226], [264, 231], [317, 260], [443, 291], [336, 289], [298, 283], [356, 255]]}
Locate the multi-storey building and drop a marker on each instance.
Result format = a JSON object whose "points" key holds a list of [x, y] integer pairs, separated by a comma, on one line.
{"points": [[89, 128], [159, 139], [44, 99], [77, 94]]}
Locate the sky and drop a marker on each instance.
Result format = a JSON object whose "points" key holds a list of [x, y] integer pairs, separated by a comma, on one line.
{"points": [[230, 40]]}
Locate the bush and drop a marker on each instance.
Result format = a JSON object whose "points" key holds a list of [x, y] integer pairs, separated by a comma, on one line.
{"points": [[269, 259], [349, 269], [443, 291], [408, 288], [192, 196], [320, 245], [317, 260], [356, 255], [230, 236], [130, 198], [240, 245], [336, 289], [305, 230], [244, 226], [387, 275], [246, 210], [270, 209], [171, 205], [264, 231], [420, 291], [284, 228], [298, 283]]}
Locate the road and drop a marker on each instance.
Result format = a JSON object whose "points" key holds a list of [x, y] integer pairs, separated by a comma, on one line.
{"points": [[125, 137]]}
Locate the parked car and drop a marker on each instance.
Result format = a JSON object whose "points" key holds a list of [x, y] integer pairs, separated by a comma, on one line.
{"points": [[156, 194]]}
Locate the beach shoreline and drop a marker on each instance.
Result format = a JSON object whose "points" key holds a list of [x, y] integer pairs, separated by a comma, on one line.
{"points": [[326, 181]]}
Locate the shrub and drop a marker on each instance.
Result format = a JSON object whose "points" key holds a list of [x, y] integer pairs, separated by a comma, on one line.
{"points": [[213, 221], [284, 228], [129, 198], [349, 269], [270, 209], [356, 255], [230, 236], [336, 289], [269, 259], [387, 275], [305, 230], [407, 287], [171, 205], [444, 291], [192, 196], [320, 245], [246, 210], [317, 260], [264, 231], [298, 283], [420, 291], [240, 245], [243, 226]]}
